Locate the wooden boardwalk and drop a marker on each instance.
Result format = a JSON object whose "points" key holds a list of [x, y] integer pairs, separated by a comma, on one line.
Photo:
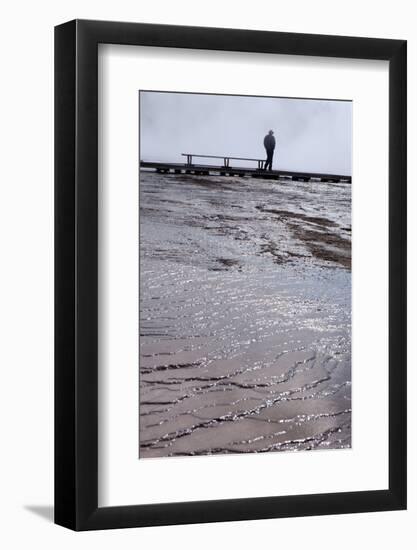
{"points": [[227, 170]]}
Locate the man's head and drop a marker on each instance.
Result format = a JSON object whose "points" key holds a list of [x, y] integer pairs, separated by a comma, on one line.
{"points": [[270, 132]]}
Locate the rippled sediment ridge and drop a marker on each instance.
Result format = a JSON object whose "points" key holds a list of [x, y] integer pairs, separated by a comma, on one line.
{"points": [[245, 315]]}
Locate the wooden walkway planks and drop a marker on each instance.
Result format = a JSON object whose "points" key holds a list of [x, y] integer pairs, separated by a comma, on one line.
{"points": [[206, 170]]}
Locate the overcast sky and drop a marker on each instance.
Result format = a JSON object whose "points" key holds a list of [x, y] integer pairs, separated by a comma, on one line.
{"points": [[311, 135]]}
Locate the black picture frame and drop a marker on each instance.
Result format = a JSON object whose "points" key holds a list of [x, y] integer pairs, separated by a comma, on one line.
{"points": [[76, 274]]}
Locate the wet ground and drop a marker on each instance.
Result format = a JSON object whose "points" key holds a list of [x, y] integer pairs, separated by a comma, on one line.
{"points": [[245, 315]]}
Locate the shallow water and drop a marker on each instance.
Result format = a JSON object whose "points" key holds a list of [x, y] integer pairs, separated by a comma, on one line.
{"points": [[245, 315]]}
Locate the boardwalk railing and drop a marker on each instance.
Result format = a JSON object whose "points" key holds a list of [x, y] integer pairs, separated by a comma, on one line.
{"points": [[226, 160]]}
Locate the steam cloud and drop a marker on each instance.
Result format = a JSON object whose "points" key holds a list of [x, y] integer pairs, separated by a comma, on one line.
{"points": [[312, 135]]}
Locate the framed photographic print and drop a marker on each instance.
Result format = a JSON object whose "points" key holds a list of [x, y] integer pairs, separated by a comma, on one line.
{"points": [[230, 253]]}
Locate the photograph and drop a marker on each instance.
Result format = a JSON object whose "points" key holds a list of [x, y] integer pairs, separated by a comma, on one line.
{"points": [[208, 237], [245, 274]]}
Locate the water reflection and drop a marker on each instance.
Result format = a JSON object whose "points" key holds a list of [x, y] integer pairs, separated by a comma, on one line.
{"points": [[245, 315]]}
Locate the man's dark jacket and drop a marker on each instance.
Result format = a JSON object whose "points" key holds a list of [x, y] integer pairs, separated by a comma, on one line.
{"points": [[269, 142]]}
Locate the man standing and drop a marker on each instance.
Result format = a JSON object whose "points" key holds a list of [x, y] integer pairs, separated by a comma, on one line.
{"points": [[269, 143]]}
